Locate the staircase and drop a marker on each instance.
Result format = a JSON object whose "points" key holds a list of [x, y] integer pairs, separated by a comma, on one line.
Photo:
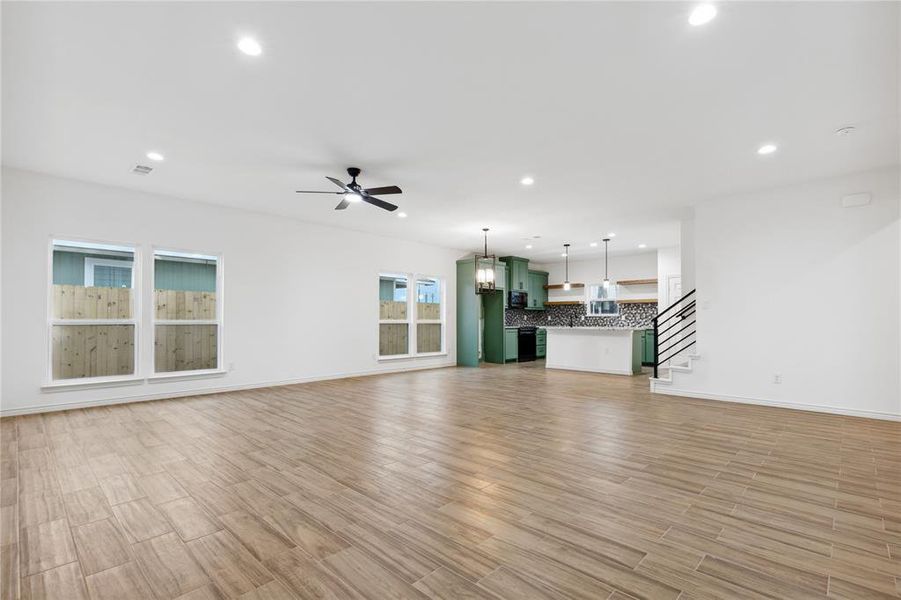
{"points": [[674, 337]]}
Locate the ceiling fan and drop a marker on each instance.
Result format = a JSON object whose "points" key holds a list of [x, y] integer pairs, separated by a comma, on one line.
{"points": [[353, 192]]}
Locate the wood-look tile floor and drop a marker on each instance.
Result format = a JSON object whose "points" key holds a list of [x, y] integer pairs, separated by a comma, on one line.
{"points": [[499, 482]]}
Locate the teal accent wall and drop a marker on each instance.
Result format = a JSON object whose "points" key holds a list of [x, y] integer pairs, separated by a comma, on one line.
{"points": [[187, 276]]}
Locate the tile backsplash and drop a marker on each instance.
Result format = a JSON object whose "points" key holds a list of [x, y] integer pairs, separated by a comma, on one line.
{"points": [[630, 315]]}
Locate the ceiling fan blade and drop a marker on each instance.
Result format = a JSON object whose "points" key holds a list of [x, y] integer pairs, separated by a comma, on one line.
{"points": [[380, 203], [339, 184], [311, 192], [343, 204], [388, 189]]}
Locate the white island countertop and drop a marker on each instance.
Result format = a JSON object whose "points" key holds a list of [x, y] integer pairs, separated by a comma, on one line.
{"points": [[615, 350], [598, 328]]}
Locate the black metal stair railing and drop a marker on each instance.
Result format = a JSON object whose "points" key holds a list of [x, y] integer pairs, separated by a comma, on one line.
{"points": [[683, 322]]}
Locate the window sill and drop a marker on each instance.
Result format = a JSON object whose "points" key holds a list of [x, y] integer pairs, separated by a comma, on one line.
{"points": [[179, 375], [410, 356], [59, 386]]}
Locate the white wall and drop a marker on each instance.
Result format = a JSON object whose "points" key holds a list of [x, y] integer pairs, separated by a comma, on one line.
{"points": [[642, 265], [669, 265], [791, 283], [687, 250], [301, 300]]}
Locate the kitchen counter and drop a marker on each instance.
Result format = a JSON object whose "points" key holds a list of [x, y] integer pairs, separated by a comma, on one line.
{"points": [[615, 350], [599, 328]]}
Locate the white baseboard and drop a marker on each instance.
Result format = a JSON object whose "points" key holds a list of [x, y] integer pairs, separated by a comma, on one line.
{"points": [[214, 390], [848, 412]]}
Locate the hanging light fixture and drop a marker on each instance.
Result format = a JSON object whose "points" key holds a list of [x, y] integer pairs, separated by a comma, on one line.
{"points": [[566, 284], [485, 268], [606, 278]]}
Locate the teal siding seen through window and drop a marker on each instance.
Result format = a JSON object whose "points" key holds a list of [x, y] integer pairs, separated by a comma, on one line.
{"points": [[185, 276], [392, 289], [68, 269]]}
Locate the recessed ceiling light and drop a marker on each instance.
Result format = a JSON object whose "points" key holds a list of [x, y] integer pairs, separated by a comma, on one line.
{"points": [[353, 197], [250, 46], [593, 244], [766, 149], [528, 246], [702, 14], [155, 156], [642, 245], [611, 234], [527, 180], [401, 215]]}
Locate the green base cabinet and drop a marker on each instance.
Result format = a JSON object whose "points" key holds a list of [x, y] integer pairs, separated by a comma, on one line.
{"points": [[541, 343], [647, 355], [511, 344]]}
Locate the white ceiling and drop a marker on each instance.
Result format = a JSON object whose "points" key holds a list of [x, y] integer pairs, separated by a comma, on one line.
{"points": [[622, 112]]}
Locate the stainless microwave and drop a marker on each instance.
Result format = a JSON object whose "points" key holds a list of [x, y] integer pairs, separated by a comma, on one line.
{"points": [[518, 299]]}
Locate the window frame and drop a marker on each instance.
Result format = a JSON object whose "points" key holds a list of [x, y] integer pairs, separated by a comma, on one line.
{"points": [[413, 316], [219, 321], [439, 321], [91, 262], [134, 321]]}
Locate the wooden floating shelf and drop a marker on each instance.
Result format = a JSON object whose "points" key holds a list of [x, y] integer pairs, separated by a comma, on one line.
{"points": [[559, 286], [564, 303], [637, 282], [639, 301]]}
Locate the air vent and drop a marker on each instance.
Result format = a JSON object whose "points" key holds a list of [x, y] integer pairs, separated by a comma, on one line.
{"points": [[852, 200], [141, 170]]}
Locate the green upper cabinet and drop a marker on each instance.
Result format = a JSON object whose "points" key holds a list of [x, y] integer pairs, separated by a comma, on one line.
{"points": [[500, 276], [517, 273], [537, 293]]}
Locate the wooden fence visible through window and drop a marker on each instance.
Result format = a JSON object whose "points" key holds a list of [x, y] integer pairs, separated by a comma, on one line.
{"points": [[106, 350]]}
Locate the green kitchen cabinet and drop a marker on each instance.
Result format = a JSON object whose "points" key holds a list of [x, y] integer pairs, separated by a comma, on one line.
{"points": [[647, 356], [468, 310], [511, 344], [537, 293], [500, 278], [541, 343], [517, 273]]}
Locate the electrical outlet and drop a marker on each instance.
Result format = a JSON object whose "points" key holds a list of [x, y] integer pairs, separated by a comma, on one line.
{"points": [[549, 318], [583, 317], [777, 378]]}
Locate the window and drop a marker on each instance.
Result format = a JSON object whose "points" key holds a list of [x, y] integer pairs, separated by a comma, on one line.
{"points": [[397, 337], [602, 300], [93, 321], [394, 323], [187, 312], [429, 326]]}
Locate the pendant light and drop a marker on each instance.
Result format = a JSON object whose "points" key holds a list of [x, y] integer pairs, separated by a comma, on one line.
{"points": [[485, 269], [606, 278], [566, 284]]}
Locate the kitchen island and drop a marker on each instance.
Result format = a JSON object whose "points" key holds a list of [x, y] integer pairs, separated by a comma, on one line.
{"points": [[615, 350]]}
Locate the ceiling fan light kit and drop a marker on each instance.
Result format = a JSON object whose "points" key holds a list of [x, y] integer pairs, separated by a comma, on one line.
{"points": [[353, 192]]}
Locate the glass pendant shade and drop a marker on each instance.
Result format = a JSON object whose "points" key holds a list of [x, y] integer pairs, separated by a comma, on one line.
{"points": [[485, 268], [566, 286]]}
